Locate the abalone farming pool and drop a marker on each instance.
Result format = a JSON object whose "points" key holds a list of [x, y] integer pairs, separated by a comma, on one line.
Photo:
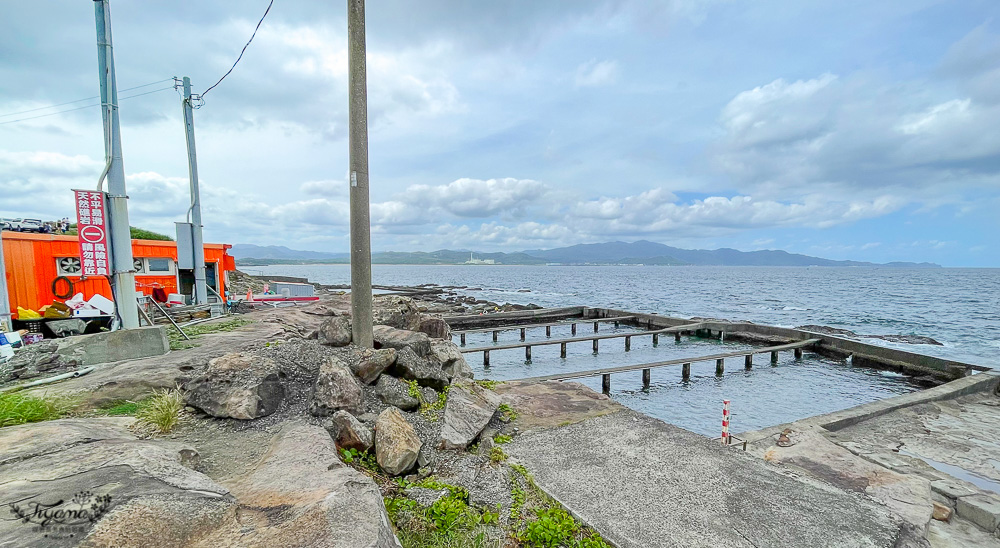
{"points": [[764, 396]]}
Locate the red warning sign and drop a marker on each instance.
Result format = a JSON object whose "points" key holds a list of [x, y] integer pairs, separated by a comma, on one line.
{"points": [[91, 226]]}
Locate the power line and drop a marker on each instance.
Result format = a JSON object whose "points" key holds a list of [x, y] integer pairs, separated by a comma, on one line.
{"points": [[85, 106], [243, 51], [79, 100]]}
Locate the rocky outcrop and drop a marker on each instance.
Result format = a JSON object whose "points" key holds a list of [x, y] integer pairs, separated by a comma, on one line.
{"points": [[390, 337], [335, 389], [350, 433], [335, 331], [237, 386], [301, 494], [434, 327], [394, 392], [395, 311], [396, 443], [37, 359], [469, 409], [132, 492], [426, 371], [369, 364], [452, 362]]}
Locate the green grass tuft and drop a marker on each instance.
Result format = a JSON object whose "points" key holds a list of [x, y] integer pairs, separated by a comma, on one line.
{"points": [[18, 408], [161, 412], [178, 342]]}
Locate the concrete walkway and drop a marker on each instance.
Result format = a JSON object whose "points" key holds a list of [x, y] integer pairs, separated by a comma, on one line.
{"points": [[643, 483]]}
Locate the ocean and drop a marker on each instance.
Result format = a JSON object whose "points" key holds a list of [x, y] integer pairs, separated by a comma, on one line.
{"points": [[960, 308]]}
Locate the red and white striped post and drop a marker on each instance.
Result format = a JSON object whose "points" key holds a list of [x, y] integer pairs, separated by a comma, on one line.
{"points": [[725, 422]]}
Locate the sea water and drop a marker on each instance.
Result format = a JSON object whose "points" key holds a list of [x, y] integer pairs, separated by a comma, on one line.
{"points": [[958, 307]]}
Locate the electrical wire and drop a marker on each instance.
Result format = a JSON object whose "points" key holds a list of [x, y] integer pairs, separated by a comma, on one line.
{"points": [[243, 51], [79, 100], [83, 107]]}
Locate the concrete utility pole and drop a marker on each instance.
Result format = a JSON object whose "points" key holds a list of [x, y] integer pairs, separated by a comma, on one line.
{"points": [[123, 275], [361, 249], [5, 324], [194, 212]]}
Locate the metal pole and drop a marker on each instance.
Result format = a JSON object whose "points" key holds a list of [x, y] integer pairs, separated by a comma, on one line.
{"points": [[361, 252], [123, 275], [194, 213], [5, 323]]}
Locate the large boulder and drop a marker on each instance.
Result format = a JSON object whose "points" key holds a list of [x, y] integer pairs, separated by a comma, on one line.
{"points": [[452, 362], [237, 386], [369, 364], [396, 393], [395, 311], [468, 410], [131, 492], [426, 371], [350, 433], [335, 389], [396, 443], [335, 331], [434, 326], [390, 337], [301, 494]]}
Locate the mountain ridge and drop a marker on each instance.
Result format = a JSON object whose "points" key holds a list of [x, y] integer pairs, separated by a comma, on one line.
{"points": [[617, 252]]}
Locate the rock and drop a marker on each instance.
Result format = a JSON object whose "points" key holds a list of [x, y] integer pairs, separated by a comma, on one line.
{"points": [[390, 337], [426, 371], [368, 418], [396, 443], [65, 328], [424, 496], [335, 389], [981, 509], [301, 494], [395, 311], [35, 360], [941, 512], [424, 458], [335, 331], [452, 362], [428, 394], [434, 327], [237, 386], [143, 492], [469, 409], [370, 364], [394, 392], [350, 433]]}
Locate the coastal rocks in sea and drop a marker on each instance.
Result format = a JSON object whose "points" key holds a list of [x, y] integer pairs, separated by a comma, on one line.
{"points": [[301, 494], [395, 311], [426, 371], [350, 433], [434, 326], [396, 442], [390, 337], [369, 364], [395, 392], [469, 409], [137, 492], [335, 331], [237, 386], [335, 389], [452, 363]]}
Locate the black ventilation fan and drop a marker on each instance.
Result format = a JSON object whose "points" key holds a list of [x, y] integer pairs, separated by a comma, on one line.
{"points": [[70, 265], [137, 265]]}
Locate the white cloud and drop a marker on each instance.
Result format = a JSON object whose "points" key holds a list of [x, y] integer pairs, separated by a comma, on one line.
{"points": [[596, 73]]}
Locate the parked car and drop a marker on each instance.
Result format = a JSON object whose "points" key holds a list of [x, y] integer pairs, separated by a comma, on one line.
{"points": [[26, 225], [5, 224]]}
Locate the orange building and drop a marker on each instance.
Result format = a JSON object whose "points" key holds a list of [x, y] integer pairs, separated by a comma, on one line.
{"points": [[34, 262]]}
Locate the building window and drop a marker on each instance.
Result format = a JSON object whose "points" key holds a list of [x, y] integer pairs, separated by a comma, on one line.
{"points": [[158, 265]]}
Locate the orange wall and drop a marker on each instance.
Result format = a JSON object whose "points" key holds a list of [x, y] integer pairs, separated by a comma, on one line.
{"points": [[30, 260]]}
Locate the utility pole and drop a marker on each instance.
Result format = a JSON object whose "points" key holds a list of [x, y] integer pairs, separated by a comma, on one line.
{"points": [[361, 249], [5, 323], [194, 212], [123, 275]]}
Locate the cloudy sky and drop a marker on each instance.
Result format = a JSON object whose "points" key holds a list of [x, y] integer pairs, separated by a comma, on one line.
{"points": [[845, 129]]}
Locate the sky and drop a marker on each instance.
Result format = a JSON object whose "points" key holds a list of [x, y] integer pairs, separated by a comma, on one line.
{"points": [[842, 129]]}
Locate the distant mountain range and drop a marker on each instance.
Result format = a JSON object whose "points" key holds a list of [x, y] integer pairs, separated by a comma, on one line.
{"points": [[641, 252]]}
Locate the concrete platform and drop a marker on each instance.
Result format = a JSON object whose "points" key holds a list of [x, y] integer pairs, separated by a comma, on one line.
{"points": [[642, 483]]}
